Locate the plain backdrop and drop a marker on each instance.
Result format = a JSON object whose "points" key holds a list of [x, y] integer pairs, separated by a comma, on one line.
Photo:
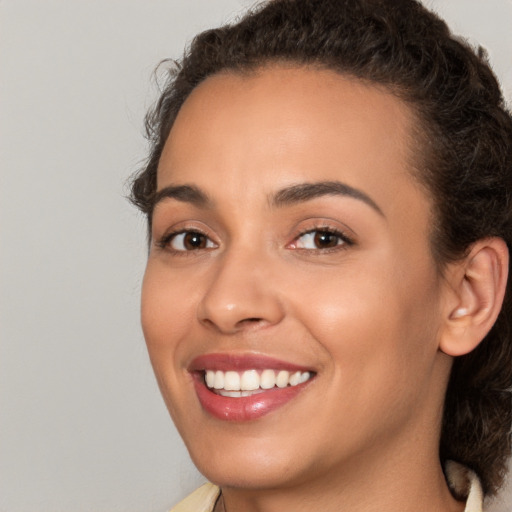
{"points": [[82, 425]]}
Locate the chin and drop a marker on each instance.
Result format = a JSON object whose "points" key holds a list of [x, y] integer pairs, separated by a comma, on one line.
{"points": [[257, 465], [251, 474]]}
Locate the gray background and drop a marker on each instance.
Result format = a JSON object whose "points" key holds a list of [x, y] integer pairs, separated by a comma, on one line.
{"points": [[82, 425]]}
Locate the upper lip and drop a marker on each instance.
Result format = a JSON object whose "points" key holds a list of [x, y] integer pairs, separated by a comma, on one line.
{"points": [[242, 362]]}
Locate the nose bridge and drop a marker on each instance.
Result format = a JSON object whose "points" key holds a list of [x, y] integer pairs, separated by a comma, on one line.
{"points": [[240, 292]]}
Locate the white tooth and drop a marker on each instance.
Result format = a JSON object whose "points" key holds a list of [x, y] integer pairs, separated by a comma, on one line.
{"points": [[210, 378], [250, 380], [295, 379], [218, 383], [232, 381], [230, 394], [238, 394], [282, 379], [304, 377], [267, 379]]}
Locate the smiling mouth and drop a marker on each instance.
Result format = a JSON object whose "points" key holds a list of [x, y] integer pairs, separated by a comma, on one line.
{"points": [[246, 387], [235, 384]]}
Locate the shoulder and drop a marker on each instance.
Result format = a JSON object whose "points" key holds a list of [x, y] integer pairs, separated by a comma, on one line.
{"points": [[201, 500]]}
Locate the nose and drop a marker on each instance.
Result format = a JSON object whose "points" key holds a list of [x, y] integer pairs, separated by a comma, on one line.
{"points": [[241, 295]]}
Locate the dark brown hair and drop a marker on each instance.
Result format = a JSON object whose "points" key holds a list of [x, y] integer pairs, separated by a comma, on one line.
{"points": [[464, 158]]}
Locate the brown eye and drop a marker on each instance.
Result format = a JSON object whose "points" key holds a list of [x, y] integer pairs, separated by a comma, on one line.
{"points": [[193, 241], [318, 239], [325, 239], [190, 241]]}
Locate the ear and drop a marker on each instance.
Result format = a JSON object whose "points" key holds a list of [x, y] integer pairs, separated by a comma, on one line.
{"points": [[476, 289]]}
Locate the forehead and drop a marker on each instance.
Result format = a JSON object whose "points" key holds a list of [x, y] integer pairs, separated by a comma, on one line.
{"points": [[279, 125]]}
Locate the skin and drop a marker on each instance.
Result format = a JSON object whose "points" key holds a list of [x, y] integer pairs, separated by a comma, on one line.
{"points": [[367, 316]]}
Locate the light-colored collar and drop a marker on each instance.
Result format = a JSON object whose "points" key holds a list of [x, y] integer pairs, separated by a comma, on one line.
{"points": [[201, 500], [462, 480]]}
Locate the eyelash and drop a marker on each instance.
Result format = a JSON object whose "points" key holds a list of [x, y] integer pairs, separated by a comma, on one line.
{"points": [[344, 241]]}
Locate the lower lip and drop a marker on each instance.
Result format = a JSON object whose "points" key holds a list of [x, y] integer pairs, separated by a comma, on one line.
{"points": [[244, 408]]}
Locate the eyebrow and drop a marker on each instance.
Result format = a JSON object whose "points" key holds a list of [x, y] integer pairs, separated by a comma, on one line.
{"points": [[293, 194], [184, 193], [307, 191]]}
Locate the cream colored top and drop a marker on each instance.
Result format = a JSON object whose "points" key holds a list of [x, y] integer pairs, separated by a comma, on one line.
{"points": [[464, 482]]}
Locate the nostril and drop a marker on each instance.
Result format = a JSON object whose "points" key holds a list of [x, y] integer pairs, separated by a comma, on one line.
{"points": [[208, 322], [241, 324], [249, 321]]}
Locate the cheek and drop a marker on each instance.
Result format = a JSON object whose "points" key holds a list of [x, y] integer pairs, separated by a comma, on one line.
{"points": [[167, 304], [381, 361], [166, 315], [378, 322], [167, 311]]}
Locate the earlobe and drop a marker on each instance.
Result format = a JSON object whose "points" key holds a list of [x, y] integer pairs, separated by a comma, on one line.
{"points": [[477, 289]]}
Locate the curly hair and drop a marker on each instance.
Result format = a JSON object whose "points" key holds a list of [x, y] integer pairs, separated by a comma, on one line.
{"points": [[464, 158]]}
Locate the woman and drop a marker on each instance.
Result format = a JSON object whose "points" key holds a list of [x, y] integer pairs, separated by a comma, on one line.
{"points": [[325, 301]]}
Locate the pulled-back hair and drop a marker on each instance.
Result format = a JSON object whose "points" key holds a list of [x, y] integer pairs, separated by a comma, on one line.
{"points": [[464, 158]]}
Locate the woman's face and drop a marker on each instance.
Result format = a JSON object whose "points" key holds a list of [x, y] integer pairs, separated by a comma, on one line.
{"points": [[289, 236]]}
